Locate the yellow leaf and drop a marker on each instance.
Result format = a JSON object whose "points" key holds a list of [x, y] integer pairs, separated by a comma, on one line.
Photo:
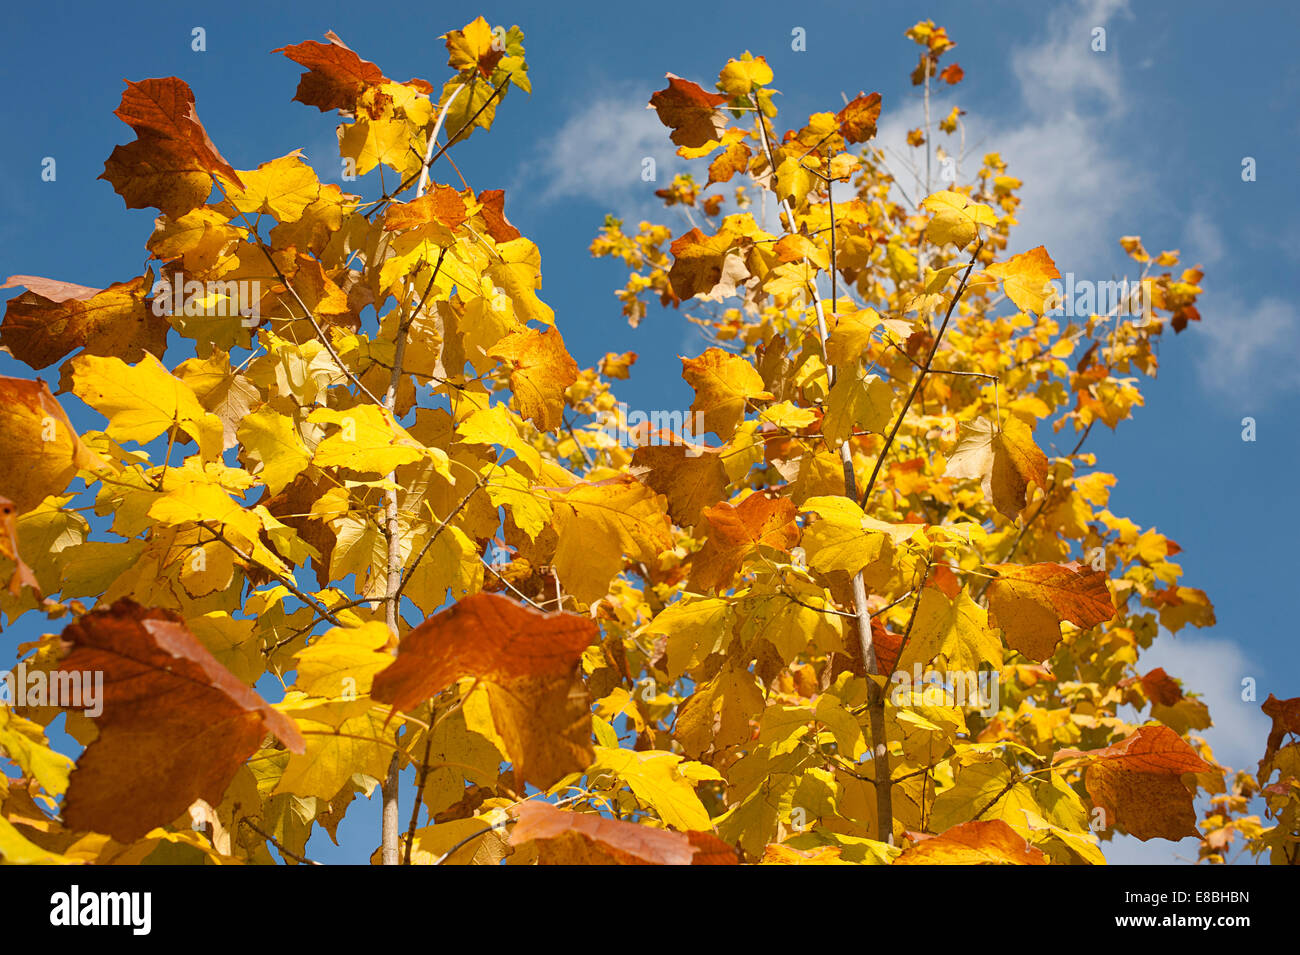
{"points": [[956, 219], [142, 401], [654, 777], [1025, 279]]}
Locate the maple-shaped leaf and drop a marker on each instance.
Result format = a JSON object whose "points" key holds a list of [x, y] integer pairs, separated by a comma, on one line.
{"points": [[144, 400], [718, 714], [583, 838], [473, 48], [759, 520], [724, 383], [689, 111], [1286, 719], [1160, 688], [283, 187], [528, 659], [956, 218], [493, 211], [844, 538], [52, 319], [1003, 461], [857, 404], [954, 628], [1025, 278], [1028, 602], [980, 842], [710, 266], [176, 724], [442, 206], [541, 368], [739, 77], [1137, 782], [857, 120], [172, 162], [778, 854], [733, 159], [692, 478], [602, 523], [335, 78], [43, 451]]}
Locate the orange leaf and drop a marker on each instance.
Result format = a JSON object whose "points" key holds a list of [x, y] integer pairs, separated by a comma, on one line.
{"points": [[176, 724], [485, 636], [45, 452], [171, 164], [528, 661], [582, 838], [335, 76], [1137, 782], [690, 112], [857, 120], [692, 479], [541, 369], [22, 575], [440, 206], [1028, 602], [1025, 277], [759, 519], [990, 842], [493, 212]]}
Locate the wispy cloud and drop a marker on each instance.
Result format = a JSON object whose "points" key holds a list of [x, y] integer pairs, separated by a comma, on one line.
{"points": [[599, 153], [1248, 350], [1076, 182]]}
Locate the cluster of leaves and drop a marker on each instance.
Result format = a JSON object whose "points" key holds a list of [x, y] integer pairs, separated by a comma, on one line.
{"points": [[393, 496]]}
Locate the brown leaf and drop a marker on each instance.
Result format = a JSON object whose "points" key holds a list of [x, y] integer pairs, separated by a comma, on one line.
{"points": [[857, 120], [707, 265], [583, 838], [529, 662], [176, 725], [118, 321], [1161, 689], [335, 75], [980, 842], [171, 164], [1028, 602], [1137, 782], [759, 520], [1286, 719], [690, 112], [690, 477]]}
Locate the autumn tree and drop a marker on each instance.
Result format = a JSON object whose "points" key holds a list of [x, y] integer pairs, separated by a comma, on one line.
{"points": [[378, 489]]}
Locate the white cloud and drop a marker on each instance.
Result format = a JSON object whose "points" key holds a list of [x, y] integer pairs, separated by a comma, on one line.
{"points": [[1201, 240], [598, 154], [1077, 181], [1248, 351], [1064, 68]]}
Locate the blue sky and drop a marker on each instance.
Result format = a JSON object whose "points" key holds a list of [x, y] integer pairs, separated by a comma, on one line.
{"points": [[1146, 138]]}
